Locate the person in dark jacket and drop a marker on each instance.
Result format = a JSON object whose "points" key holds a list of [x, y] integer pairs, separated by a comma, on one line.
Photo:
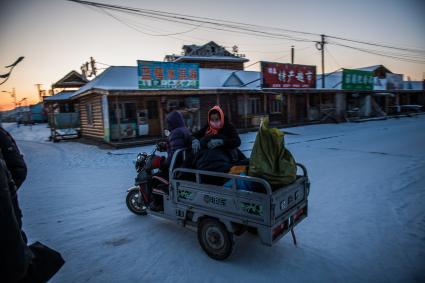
{"points": [[13, 158], [19, 262], [16, 165], [217, 132], [216, 144], [15, 256], [179, 137]]}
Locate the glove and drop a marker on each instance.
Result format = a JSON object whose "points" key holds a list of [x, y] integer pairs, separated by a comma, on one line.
{"points": [[162, 146], [214, 143], [196, 146]]}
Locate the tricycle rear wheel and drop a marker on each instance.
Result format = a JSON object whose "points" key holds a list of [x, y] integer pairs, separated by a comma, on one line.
{"points": [[214, 239]]}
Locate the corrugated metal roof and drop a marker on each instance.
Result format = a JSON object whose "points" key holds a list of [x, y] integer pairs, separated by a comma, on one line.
{"points": [[63, 95], [370, 68]]}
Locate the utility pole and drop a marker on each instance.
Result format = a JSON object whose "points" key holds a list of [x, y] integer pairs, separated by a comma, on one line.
{"points": [[292, 54], [320, 45], [40, 92], [89, 69], [93, 66]]}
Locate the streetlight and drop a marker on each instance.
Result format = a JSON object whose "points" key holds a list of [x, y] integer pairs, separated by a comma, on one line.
{"points": [[12, 94], [11, 66]]}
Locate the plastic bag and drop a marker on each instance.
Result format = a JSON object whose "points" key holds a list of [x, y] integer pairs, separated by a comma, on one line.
{"points": [[270, 159]]}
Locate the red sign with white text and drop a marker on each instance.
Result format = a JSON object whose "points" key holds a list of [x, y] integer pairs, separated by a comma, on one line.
{"points": [[278, 75]]}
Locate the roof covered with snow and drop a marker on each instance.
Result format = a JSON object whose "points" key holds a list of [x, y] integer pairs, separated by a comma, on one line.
{"points": [[413, 85], [126, 78], [63, 95], [333, 80]]}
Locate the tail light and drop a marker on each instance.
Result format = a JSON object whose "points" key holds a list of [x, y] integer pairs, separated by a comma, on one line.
{"points": [[279, 229], [299, 213]]}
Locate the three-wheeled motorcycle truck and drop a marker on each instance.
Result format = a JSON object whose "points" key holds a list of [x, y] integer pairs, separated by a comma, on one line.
{"points": [[220, 212]]}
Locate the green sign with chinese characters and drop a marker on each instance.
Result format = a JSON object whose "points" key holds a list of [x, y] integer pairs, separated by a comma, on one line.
{"points": [[159, 75], [357, 80]]}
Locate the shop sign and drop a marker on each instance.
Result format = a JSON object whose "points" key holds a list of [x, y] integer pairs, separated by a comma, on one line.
{"points": [[357, 80], [279, 75], [160, 75]]}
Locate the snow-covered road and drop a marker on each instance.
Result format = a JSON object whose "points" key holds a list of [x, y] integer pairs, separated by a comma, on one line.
{"points": [[366, 221]]}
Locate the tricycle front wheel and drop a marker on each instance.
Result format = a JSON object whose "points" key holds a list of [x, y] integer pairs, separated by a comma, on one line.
{"points": [[214, 239], [133, 203]]}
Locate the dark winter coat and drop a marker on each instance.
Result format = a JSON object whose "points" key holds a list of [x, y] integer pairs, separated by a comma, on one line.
{"points": [[179, 135], [16, 165], [13, 158], [227, 133], [222, 158], [15, 256]]}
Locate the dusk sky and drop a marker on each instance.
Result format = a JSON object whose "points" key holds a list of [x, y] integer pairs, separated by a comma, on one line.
{"points": [[57, 36]]}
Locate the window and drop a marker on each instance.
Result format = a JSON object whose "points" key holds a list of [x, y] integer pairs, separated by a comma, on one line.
{"points": [[113, 111], [275, 106], [130, 112], [240, 103], [126, 112], [89, 111], [66, 108], [254, 106]]}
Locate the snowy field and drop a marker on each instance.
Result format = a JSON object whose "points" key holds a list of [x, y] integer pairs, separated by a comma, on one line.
{"points": [[366, 221]]}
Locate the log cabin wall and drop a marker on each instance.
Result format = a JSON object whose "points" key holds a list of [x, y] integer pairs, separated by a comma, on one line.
{"points": [[91, 123]]}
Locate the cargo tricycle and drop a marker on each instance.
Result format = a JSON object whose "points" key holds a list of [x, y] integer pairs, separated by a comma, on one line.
{"points": [[219, 212]]}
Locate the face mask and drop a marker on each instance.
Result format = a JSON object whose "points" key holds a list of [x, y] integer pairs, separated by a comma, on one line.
{"points": [[215, 124], [166, 132]]}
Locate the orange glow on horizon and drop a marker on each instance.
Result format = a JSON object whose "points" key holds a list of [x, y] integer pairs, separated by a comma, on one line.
{"points": [[7, 103]]}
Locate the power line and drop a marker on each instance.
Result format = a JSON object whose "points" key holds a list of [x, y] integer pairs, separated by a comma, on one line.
{"points": [[165, 16], [232, 25], [379, 45], [381, 53], [386, 52], [135, 28], [333, 58], [413, 55]]}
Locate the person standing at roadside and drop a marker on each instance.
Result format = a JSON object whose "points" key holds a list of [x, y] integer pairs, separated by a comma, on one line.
{"points": [[16, 165]]}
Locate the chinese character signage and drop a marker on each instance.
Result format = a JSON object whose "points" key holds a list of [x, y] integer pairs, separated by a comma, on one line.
{"points": [[154, 75], [357, 80], [278, 75]]}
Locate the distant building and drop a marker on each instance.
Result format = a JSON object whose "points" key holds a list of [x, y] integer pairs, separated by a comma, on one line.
{"points": [[61, 110], [210, 55]]}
